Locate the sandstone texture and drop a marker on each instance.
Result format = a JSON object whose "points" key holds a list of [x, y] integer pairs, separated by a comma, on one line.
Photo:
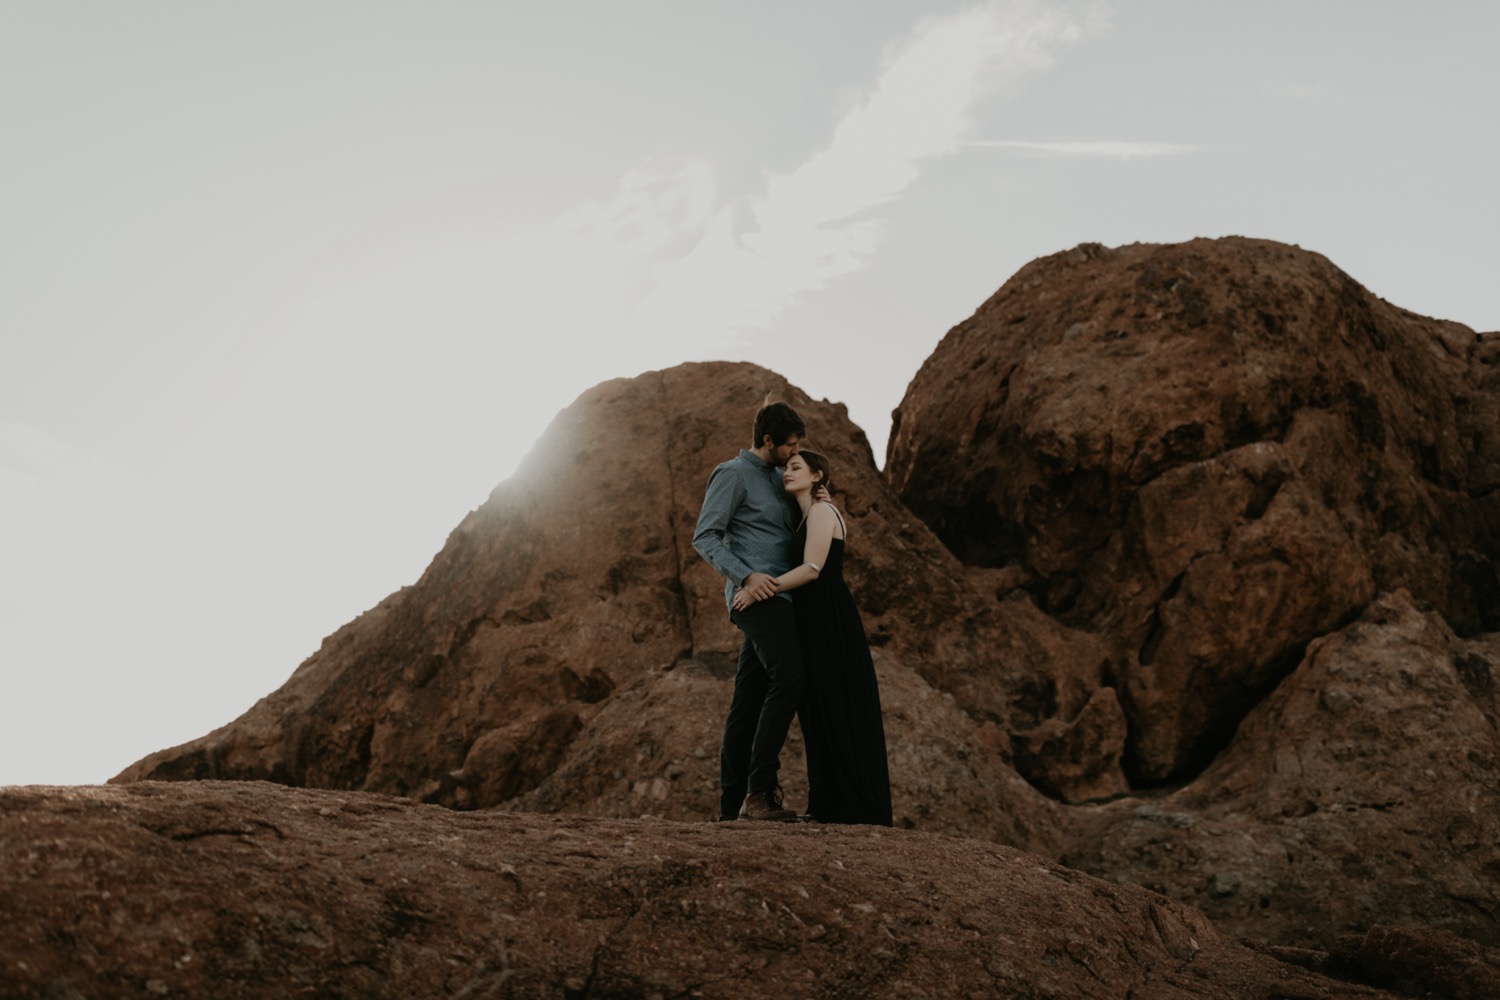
{"points": [[1271, 497], [247, 889], [1365, 790], [1181, 573], [569, 650], [1208, 454]]}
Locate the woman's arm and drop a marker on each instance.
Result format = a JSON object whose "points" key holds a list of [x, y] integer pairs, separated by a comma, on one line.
{"points": [[821, 521]]}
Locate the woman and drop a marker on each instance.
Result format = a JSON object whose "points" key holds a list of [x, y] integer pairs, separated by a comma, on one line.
{"points": [[847, 777]]}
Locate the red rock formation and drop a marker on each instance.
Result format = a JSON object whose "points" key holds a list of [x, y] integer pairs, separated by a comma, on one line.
{"points": [[1221, 513], [1418, 962], [569, 650], [1364, 790], [1208, 454], [248, 889]]}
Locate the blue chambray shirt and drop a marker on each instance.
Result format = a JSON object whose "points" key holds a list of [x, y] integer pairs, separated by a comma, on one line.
{"points": [[746, 523]]}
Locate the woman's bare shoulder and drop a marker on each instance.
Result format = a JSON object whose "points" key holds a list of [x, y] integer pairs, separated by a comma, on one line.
{"points": [[824, 510]]}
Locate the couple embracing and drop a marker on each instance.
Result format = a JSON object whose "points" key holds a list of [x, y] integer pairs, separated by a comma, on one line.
{"points": [[767, 525]]}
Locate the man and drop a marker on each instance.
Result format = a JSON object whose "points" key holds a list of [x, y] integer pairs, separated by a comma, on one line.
{"points": [[743, 531]]}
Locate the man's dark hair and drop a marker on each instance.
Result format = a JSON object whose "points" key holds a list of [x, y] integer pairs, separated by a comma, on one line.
{"points": [[778, 420]]}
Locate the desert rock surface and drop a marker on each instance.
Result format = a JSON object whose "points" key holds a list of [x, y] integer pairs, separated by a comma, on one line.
{"points": [[1181, 572], [248, 889], [1271, 497], [569, 650], [1208, 454]]}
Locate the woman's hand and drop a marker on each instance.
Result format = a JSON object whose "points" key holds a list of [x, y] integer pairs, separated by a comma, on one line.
{"points": [[758, 587]]}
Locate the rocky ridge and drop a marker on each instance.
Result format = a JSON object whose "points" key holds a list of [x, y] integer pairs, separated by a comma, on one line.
{"points": [[1181, 572], [1271, 497], [1208, 454], [569, 650], [248, 889]]}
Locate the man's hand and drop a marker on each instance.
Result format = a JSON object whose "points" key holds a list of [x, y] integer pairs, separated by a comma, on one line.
{"points": [[758, 587], [820, 494]]}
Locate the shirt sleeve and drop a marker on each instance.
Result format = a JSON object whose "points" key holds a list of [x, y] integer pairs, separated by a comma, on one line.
{"points": [[726, 491]]}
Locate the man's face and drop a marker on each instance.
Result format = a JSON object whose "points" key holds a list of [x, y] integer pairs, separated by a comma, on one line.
{"points": [[781, 452]]}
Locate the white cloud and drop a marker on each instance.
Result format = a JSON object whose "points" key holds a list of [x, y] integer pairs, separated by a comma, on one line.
{"points": [[666, 268], [1106, 148], [918, 109], [577, 282], [654, 208], [815, 224]]}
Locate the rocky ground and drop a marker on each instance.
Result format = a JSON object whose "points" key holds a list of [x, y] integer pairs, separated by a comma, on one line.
{"points": [[248, 889]]}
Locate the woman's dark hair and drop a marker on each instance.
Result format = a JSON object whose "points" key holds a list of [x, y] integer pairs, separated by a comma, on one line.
{"points": [[817, 464], [778, 420]]}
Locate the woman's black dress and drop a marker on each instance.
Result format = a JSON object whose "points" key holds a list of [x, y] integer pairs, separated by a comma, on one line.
{"points": [[847, 777]]}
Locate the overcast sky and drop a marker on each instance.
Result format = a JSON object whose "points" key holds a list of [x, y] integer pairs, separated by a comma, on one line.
{"points": [[289, 287]]}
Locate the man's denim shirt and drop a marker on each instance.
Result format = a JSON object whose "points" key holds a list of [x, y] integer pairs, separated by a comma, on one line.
{"points": [[746, 523]]}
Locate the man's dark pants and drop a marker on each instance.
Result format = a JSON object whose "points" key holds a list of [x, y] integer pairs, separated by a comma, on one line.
{"points": [[767, 687]]}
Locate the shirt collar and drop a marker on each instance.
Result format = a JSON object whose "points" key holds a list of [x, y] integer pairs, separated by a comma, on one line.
{"points": [[755, 459]]}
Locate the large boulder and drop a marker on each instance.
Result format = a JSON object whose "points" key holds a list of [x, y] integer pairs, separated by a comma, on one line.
{"points": [[1210, 616], [248, 889], [1364, 791], [567, 649], [1208, 454]]}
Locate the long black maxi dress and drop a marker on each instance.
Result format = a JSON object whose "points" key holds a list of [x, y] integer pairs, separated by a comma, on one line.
{"points": [[847, 777]]}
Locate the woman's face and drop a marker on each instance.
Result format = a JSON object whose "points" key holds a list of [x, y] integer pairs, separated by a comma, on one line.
{"points": [[797, 478]]}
